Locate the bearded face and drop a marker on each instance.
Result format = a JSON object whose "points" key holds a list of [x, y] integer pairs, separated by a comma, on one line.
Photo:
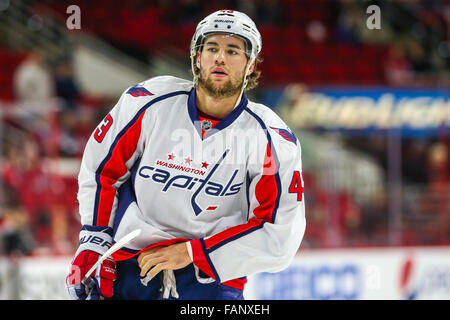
{"points": [[228, 88], [222, 63]]}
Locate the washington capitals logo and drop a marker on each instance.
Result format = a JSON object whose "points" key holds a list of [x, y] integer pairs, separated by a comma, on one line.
{"points": [[136, 91], [286, 134], [195, 207], [198, 181]]}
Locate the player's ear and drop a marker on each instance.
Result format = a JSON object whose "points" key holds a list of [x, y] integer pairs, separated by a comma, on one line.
{"points": [[197, 60], [251, 69]]}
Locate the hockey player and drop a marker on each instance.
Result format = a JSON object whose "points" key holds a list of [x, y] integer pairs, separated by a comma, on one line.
{"points": [[212, 179]]}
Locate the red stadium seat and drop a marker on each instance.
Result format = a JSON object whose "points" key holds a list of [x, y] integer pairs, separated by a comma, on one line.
{"points": [[308, 72], [293, 52], [364, 72], [9, 61], [336, 73], [144, 26]]}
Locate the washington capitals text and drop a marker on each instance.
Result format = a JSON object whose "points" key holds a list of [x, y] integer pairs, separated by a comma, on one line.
{"points": [[187, 182]]}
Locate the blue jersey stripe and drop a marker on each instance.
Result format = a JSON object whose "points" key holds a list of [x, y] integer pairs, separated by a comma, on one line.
{"points": [[222, 124], [274, 153]]}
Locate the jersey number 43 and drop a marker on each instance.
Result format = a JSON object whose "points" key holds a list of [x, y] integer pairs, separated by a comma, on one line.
{"points": [[103, 128], [297, 185]]}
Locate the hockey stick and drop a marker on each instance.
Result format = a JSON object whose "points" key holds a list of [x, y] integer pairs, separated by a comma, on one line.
{"points": [[119, 244]]}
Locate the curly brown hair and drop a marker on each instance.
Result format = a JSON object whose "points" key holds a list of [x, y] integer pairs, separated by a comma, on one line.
{"points": [[252, 79]]}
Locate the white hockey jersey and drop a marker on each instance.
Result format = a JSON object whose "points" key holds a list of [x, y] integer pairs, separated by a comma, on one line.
{"points": [[236, 194]]}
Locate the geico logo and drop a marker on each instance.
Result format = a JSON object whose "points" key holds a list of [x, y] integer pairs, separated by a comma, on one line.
{"points": [[187, 182], [320, 282]]}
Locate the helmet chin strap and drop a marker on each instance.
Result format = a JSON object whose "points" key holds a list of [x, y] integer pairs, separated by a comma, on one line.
{"points": [[193, 57], [247, 68]]}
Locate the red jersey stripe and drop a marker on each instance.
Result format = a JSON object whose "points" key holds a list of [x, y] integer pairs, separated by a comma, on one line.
{"points": [[115, 168], [266, 190], [199, 258], [236, 283], [231, 232], [121, 254]]}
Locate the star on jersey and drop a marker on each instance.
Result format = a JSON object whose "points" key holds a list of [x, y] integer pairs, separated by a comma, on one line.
{"points": [[187, 160]]}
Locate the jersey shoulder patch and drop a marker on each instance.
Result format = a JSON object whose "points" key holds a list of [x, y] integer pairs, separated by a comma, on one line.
{"points": [[286, 134], [138, 91], [273, 121], [164, 84]]}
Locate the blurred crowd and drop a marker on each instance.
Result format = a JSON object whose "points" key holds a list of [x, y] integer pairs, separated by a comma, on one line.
{"points": [[421, 196], [51, 119], [397, 193], [415, 36], [44, 133], [412, 44]]}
